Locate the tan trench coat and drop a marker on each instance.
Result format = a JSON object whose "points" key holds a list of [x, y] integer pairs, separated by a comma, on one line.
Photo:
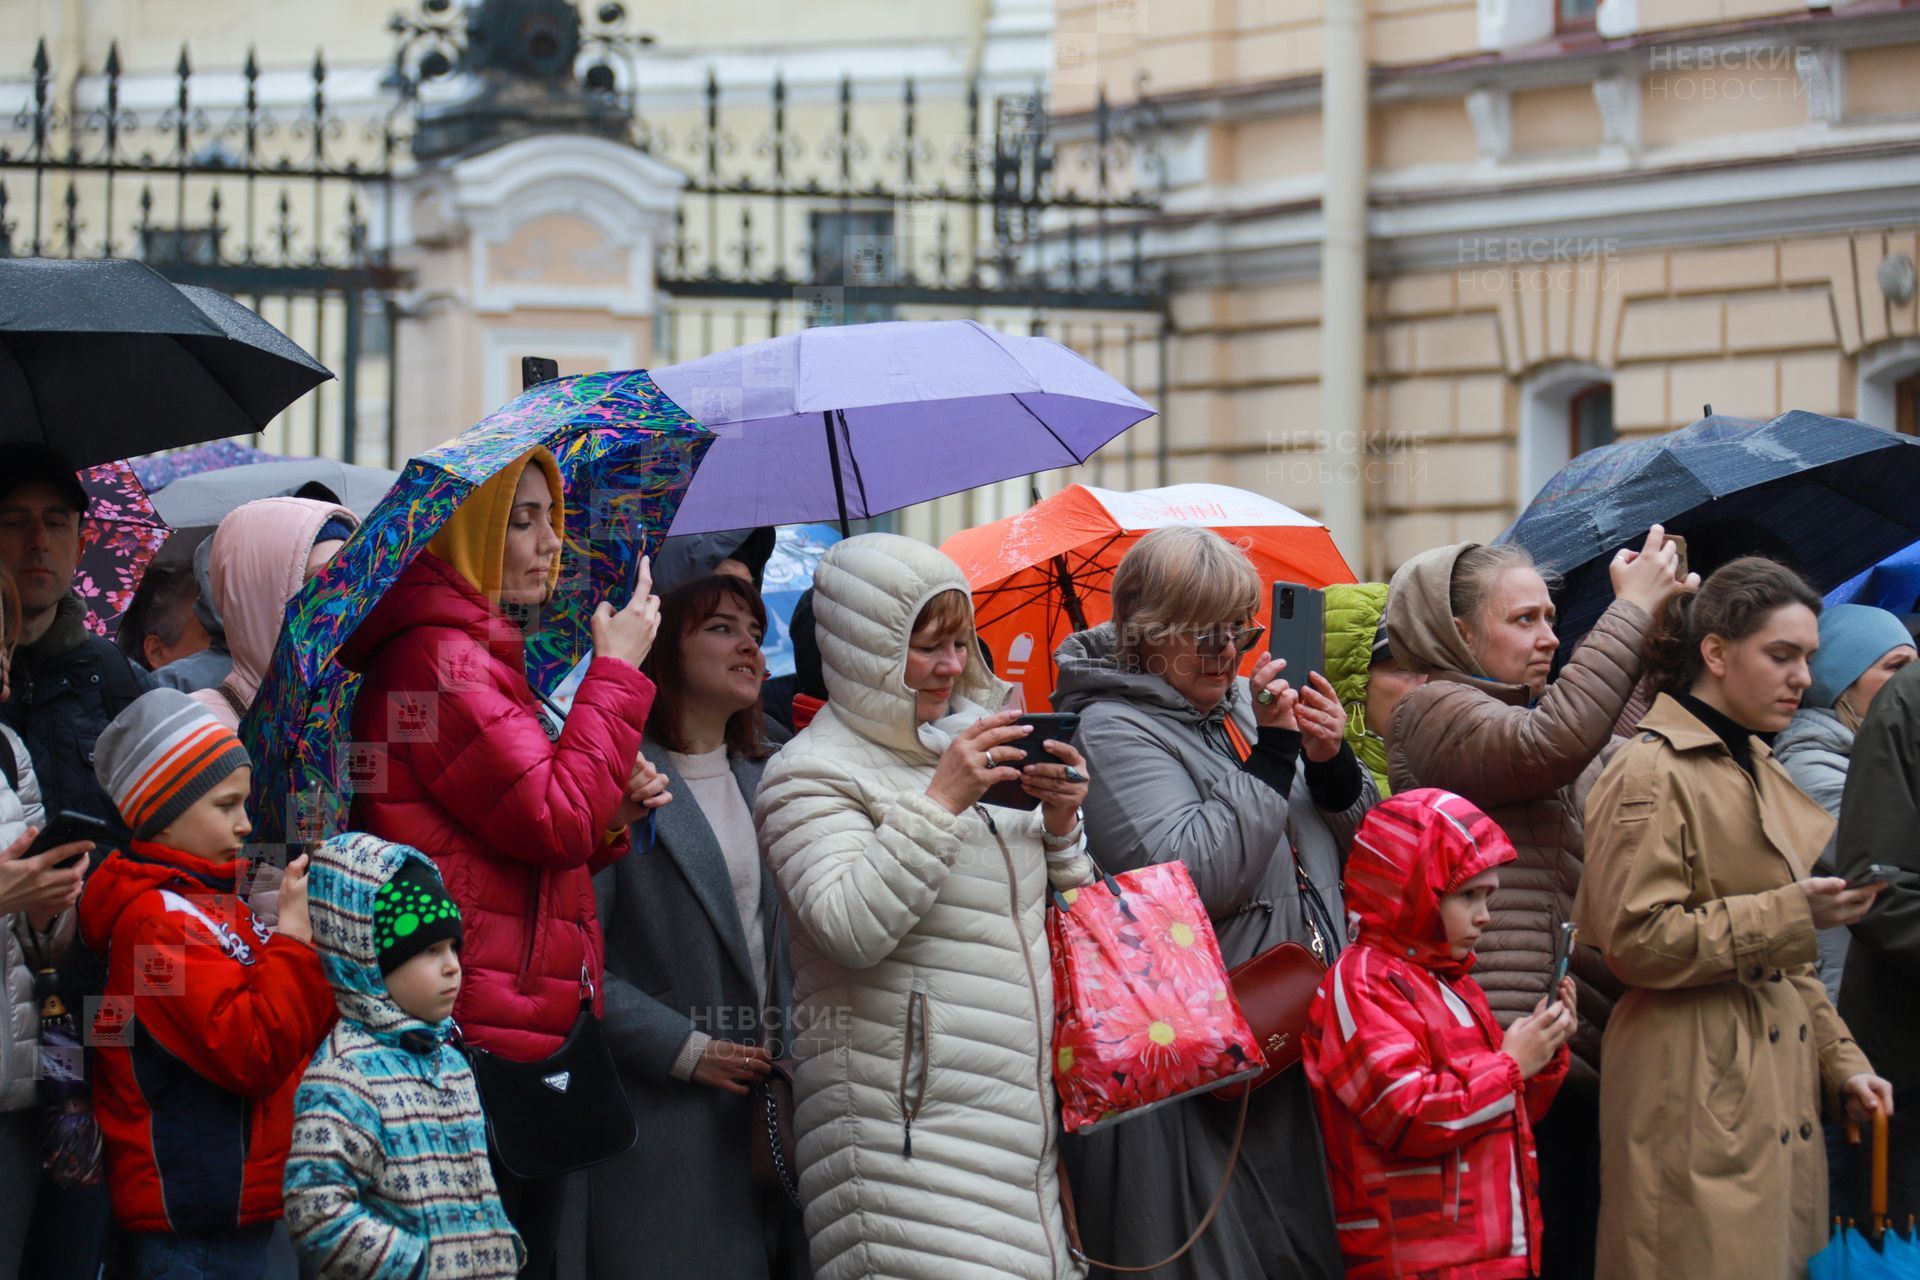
{"points": [[1711, 1155]]}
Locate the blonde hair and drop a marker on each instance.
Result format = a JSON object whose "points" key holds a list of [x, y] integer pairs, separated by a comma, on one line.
{"points": [[1181, 578]]}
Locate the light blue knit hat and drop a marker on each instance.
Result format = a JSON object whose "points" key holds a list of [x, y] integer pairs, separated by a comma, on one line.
{"points": [[1852, 638]]}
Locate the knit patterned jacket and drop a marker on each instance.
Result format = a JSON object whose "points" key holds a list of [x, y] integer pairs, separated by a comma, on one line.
{"points": [[388, 1178]]}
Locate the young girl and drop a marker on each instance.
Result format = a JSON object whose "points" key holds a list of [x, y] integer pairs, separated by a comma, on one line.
{"points": [[1427, 1107], [1698, 895]]}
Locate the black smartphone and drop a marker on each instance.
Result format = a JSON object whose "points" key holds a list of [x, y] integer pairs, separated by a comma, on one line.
{"points": [[67, 828], [1060, 726], [1563, 939], [535, 370], [1298, 633], [1876, 873]]}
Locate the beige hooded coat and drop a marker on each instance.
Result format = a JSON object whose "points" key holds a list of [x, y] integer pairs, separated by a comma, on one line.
{"points": [[923, 997], [1528, 766]]}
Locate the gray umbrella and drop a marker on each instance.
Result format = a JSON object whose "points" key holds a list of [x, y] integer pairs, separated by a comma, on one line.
{"points": [[206, 498]]}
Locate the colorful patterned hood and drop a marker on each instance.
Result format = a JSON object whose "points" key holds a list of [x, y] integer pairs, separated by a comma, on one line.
{"points": [[347, 872]]}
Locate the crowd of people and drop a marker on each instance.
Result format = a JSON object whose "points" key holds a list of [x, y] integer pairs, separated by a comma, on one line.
{"points": [[817, 908]]}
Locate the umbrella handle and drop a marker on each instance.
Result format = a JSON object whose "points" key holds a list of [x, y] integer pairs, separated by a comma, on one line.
{"points": [[1878, 1201]]}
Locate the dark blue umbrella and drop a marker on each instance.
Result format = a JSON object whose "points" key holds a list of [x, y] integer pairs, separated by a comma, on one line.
{"points": [[1829, 496]]}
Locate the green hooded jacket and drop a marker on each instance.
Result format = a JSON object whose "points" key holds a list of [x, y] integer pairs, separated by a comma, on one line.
{"points": [[1353, 617]]}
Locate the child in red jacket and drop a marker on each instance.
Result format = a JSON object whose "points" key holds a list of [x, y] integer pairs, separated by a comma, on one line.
{"points": [[209, 1016], [1427, 1107]]}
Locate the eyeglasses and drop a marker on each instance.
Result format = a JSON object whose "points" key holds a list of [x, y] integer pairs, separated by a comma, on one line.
{"points": [[1241, 638]]}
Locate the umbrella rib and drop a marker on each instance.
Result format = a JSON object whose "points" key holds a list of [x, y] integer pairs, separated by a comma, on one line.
{"points": [[853, 461], [1049, 428]]}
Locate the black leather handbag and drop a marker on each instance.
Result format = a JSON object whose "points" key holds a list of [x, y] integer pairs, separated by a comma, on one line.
{"points": [[567, 1111]]}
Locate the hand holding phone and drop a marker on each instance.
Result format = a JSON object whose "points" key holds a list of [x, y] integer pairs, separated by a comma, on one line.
{"points": [[1563, 940], [69, 827], [1876, 874]]}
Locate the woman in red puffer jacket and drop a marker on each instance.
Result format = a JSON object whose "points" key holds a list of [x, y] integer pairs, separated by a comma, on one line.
{"points": [[516, 821]]}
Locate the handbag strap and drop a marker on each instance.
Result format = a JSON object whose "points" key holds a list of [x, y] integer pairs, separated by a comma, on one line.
{"points": [[1219, 1198], [1310, 899]]}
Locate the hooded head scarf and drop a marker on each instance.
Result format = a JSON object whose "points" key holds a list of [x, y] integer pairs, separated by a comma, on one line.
{"points": [[474, 538]]}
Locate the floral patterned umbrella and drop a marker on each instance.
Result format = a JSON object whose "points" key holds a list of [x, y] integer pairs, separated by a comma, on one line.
{"points": [[158, 470], [122, 535], [626, 453]]}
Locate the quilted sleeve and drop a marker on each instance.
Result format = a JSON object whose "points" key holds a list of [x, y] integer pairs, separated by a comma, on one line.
{"points": [[1454, 736], [489, 763], [338, 1151], [856, 885]]}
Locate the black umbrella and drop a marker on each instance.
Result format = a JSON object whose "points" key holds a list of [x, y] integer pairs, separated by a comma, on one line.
{"points": [[1828, 496], [106, 359]]}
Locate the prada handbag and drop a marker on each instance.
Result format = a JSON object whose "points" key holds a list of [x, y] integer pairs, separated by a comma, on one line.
{"points": [[566, 1111]]}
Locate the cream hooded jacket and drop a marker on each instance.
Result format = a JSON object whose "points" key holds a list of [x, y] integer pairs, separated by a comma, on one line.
{"points": [[922, 991]]}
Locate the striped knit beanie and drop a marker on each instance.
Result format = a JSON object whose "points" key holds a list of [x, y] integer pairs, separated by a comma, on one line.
{"points": [[160, 755]]}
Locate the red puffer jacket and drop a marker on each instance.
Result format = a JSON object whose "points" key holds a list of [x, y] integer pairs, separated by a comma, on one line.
{"points": [[516, 822], [1428, 1125]]}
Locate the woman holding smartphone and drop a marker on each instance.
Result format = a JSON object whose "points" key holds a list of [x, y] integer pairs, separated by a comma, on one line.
{"points": [[1700, 895], [1250, 785]]}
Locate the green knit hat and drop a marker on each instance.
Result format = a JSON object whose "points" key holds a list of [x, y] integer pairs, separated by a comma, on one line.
{"points": [[411, 912]]}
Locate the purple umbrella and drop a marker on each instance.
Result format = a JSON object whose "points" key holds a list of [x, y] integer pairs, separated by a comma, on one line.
{"points": [[848, 422]]}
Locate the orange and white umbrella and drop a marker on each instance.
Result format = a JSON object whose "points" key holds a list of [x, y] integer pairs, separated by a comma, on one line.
{"points": [[1040, 575]]}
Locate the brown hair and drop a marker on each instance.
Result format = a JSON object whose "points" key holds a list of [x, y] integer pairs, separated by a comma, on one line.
{"points": [[1470, 589], [681, 610], [950, 614], [1177, 579], [1733, 603]]}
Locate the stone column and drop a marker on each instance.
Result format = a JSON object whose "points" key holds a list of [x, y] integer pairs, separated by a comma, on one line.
{"points": [[542, 246]]}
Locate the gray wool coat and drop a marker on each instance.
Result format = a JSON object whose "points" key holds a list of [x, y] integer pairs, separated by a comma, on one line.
{"points": [[1165, 784], [682, 1201], [1815, 750]]}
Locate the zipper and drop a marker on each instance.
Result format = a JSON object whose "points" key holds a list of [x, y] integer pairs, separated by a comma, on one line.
{"points": [[532, 923], [910, 1111], [1041, 1067]]}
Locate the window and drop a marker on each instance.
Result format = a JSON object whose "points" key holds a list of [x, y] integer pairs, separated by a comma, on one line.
{"points": [[1574, 15], [1906, 405], [1590, 419]]}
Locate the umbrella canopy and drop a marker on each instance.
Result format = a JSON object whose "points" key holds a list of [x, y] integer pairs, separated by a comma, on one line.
{"points": [[853, 421], [158, 470], [105, 359], [205, 499], [626, 453], [1022, 568], [1828, 495], [1893, 584], [122, 534], [796, 554]]}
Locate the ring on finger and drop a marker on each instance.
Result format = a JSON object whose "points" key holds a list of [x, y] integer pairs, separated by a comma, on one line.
{"points": [[1264, 697], [1074, 775]]}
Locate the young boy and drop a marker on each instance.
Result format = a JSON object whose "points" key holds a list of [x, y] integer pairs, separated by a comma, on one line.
{"points": [[208, 1015], [389, 1176], [1427, 1108]]}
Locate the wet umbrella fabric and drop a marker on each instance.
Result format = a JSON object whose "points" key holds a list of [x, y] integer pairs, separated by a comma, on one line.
{"points": [[853, 421], [106, 359], [1829, 495], [157, 471], [626, 453]]}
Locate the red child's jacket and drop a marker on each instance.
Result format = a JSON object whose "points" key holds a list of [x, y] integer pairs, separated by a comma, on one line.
{"points": [[200, 1040], [1428, 1125]]}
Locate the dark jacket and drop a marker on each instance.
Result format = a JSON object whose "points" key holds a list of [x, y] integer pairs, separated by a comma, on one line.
{"points": [[677, 962], [67, 686], [1880, 823]]}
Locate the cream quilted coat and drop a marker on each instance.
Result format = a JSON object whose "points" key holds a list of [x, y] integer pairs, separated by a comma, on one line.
{"points": [[922, 992]]}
